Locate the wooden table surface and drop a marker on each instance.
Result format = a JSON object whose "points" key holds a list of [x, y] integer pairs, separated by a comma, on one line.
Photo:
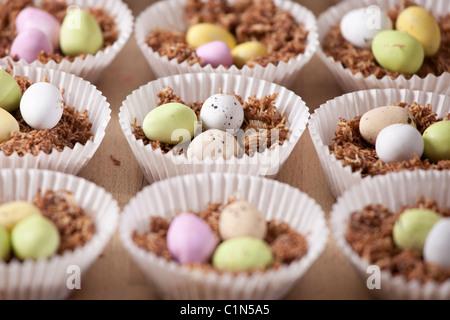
{"points": [[115, 276]]}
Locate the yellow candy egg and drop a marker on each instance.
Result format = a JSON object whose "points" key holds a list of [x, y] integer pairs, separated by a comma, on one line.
{"points": [[244, 51], [8, 124], [202, 33], [419, 23]]}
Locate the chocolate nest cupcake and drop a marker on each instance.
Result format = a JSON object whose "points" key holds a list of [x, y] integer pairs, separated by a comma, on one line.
{"points": [[353, 136], [394, 229], [204, 122], [46, 123], [73, 127], [43, 34], [267, 39], [363, 60], [273, 242], [11, 9], [358, 65], [50, 228], [278, 244]]}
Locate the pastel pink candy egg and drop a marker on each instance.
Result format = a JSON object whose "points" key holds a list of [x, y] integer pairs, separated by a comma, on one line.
{"points": [[28, 44], [215, 53], [190, 239], [34, 18]]}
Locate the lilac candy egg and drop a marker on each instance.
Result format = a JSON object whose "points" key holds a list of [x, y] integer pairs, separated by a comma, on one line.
{"points": [[34, 18], [28, 44], [190, 239], [215, 53]]}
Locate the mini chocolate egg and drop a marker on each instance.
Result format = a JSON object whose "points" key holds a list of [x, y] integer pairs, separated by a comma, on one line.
{"points": [[215, 53], [170, 123], [375, 120], [34, 18], [399, 142], [437, 244], [5, 244], [412, 227], [190, 239], [42, 105], [13, 212], [241, 219], [360, 26], [29, 43], [35, 237], [437, 141], [397, 51], [223, 112], [202, 33], [244, 51], [419, 23], [80, 34], [10, 94], [8, 124], [213, 144], [242, 254]]}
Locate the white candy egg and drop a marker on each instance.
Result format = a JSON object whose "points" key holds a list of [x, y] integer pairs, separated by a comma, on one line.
{"points": [[42, 105], [360, 26], [222, 112], [213, 144], [399, 142], [437, 244]]}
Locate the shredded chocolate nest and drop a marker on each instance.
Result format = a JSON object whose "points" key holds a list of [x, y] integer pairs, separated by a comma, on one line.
{"points": [[74, 127], [9, 10], [277, 30], [287, 245], [351, 148], [74, 226], [260, 117], [369, 233], [363, 60]]}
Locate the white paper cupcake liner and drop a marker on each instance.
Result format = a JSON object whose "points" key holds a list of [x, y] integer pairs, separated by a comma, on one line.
{"points": [[92, 66], [198, 87], [393, 190], [353, 82], [323, 125], [83, 96], [47, 278], [170, 15], [193, 192]]}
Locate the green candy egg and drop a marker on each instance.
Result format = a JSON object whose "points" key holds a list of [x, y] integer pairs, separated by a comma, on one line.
{"points": [[412, 227], [10, 93], [35, 237], [437, 141], [398, 51], [170, 123], [5, 245], [420, 24], [8, 124], [80, 34], [242, 254]]}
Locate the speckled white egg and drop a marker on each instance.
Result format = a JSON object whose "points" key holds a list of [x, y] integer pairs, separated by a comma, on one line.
{"points": [[241, 219], [213, 144], [399, 142], [375, 120], [437, 244], [360, 26], [42, 105], [222, 112]]}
